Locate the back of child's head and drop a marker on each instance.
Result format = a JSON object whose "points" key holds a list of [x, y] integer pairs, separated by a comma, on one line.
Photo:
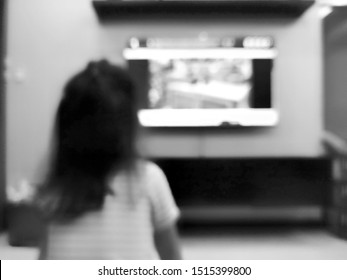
{"points": [[94, 135], [97, 117]]}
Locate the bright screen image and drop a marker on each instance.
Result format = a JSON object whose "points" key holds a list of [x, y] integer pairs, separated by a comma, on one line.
{"points": [[196, 83]]}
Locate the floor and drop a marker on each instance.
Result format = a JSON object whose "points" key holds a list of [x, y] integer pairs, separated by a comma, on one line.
{"points": [[15, 253], [264, 243], [256, 243]]}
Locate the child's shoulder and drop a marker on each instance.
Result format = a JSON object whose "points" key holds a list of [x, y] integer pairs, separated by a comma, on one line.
{"points": [[148, 168], [145, 174]]}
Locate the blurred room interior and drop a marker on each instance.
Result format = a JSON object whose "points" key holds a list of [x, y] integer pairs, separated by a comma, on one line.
{"points": [[245, 191]]}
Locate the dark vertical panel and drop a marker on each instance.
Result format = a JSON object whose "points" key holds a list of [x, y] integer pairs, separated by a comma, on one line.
{"points": [[335, 69], [261, 83], [139, 72], [2, 112]]}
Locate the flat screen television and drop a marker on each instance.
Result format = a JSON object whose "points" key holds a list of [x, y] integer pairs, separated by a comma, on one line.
{"points": [[210, 82]]}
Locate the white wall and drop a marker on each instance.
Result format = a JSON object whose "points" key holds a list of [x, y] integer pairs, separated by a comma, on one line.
{"points": [[48, 40], [51, 39]]}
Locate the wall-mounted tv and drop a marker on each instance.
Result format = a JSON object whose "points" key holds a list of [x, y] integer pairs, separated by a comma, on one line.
{"points": [[209, 82]]}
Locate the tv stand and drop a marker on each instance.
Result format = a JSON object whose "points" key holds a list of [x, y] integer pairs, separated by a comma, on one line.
{"points": [[249, 189]]}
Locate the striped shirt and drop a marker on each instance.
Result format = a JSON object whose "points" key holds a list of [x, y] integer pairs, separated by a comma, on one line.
{"points": [[142, 203]]}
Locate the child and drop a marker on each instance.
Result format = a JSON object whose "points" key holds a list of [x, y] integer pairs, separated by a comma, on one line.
{"points": [[101, 200]]}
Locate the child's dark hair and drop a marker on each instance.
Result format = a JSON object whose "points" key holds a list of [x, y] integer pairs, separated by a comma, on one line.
{"points": [[94, 135]]}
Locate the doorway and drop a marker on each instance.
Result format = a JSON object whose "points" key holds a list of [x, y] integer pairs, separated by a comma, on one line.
{"points": [[2, 113]]}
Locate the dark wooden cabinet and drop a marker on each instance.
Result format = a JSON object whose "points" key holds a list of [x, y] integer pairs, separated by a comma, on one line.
{"points": [[250, 189], [336, 210], [116, 9]]}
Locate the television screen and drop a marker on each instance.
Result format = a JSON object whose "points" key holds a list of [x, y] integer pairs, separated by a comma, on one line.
{"points": [[200, 83], [207, 84]]}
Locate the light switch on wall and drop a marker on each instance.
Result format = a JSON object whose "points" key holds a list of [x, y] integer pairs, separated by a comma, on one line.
{"points": [[20, 74], [13, 73]]}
